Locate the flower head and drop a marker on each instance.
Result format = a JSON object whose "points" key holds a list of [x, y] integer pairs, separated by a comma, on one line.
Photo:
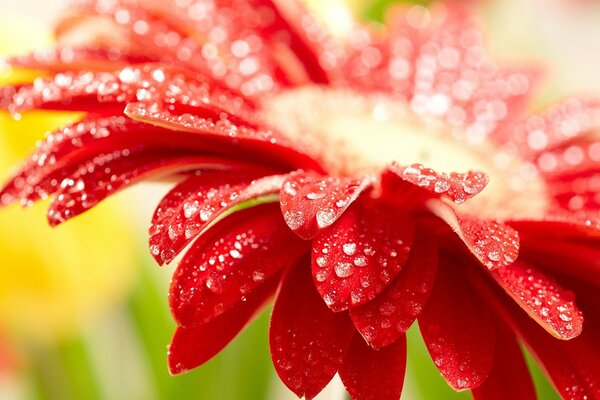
{"points": [[367, 183]]}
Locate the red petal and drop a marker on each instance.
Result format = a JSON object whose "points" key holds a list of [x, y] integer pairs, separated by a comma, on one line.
{"points": [[544, 300], [493, 243], [385, 319], [370, 374], [107, 174], [246, 140], [87, 58], [581, 255], [457, 329], [560, 224], [455, 80], [560, 124], [193, 346], [509, 377], [229, 261], [572, 365], [308, 341], [89, 91], [360, 254], [567, 165], [457, 187], [198, 201], [311, 202]]}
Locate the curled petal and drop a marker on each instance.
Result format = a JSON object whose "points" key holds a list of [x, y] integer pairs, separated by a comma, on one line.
{"points": [[455, 186], [308, 342], [229, 261], [200, 200], [457, 329], [493, 243], [385, 319], [370, 374], [310, 202], [193, 346], [360, 254], [542, 298]]}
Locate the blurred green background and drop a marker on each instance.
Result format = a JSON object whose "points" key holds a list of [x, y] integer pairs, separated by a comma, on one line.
{"points": [[83, 308]]}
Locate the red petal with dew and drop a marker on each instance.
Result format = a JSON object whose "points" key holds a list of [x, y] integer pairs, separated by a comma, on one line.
{"points": [[201, 199], [557, 126], [428, 183], [572, 365], [311, 202], [193, 346], [229, 261], [106, 174], [82, 58], [493, 243], [308, 342], [370, 374], [384, 320], [457, 329], [542, 298], [360, 254], [509, 377], [457, 81], [247, 141]]}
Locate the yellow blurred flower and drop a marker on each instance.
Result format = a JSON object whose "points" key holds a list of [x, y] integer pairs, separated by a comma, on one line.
{"points": [[53, 280]]}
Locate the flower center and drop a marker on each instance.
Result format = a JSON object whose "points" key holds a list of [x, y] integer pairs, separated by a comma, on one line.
{"points": [[353, 135]]}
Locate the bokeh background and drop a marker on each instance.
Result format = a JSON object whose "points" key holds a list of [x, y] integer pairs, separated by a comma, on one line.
{"points": [[83, 308]]}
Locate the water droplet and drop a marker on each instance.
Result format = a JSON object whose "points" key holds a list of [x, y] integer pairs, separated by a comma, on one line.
{"points": [[349, 248], [343, 269], [325, 217]]}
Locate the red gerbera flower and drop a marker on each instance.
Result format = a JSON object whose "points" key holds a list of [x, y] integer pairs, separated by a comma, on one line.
{"points": [[301, 165]]}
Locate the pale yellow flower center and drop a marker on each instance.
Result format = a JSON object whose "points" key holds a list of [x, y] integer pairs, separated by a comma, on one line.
{"points": [[354, 135]]}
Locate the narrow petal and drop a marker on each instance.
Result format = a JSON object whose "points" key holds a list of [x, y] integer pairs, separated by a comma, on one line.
{"points": [[201, 199], [509, 377], [581, 254], [573, 365], [91, 91], [542, 298], [493, 243], [360, 254], [107, 174], [308, 342], [193, 346], [558, 125], [457, 329], [80, 58], [370, 374], [229, 261], [243, 140], [455, 186], [384, 320], [559, 224], [565, 166], [310, 202]]}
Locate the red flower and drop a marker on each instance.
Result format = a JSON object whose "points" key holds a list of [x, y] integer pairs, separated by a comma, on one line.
{"points": [[261, 114]]}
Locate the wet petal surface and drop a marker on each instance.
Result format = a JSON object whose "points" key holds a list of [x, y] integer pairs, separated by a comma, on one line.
{"points": [[360, 254], [308, 341]]}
